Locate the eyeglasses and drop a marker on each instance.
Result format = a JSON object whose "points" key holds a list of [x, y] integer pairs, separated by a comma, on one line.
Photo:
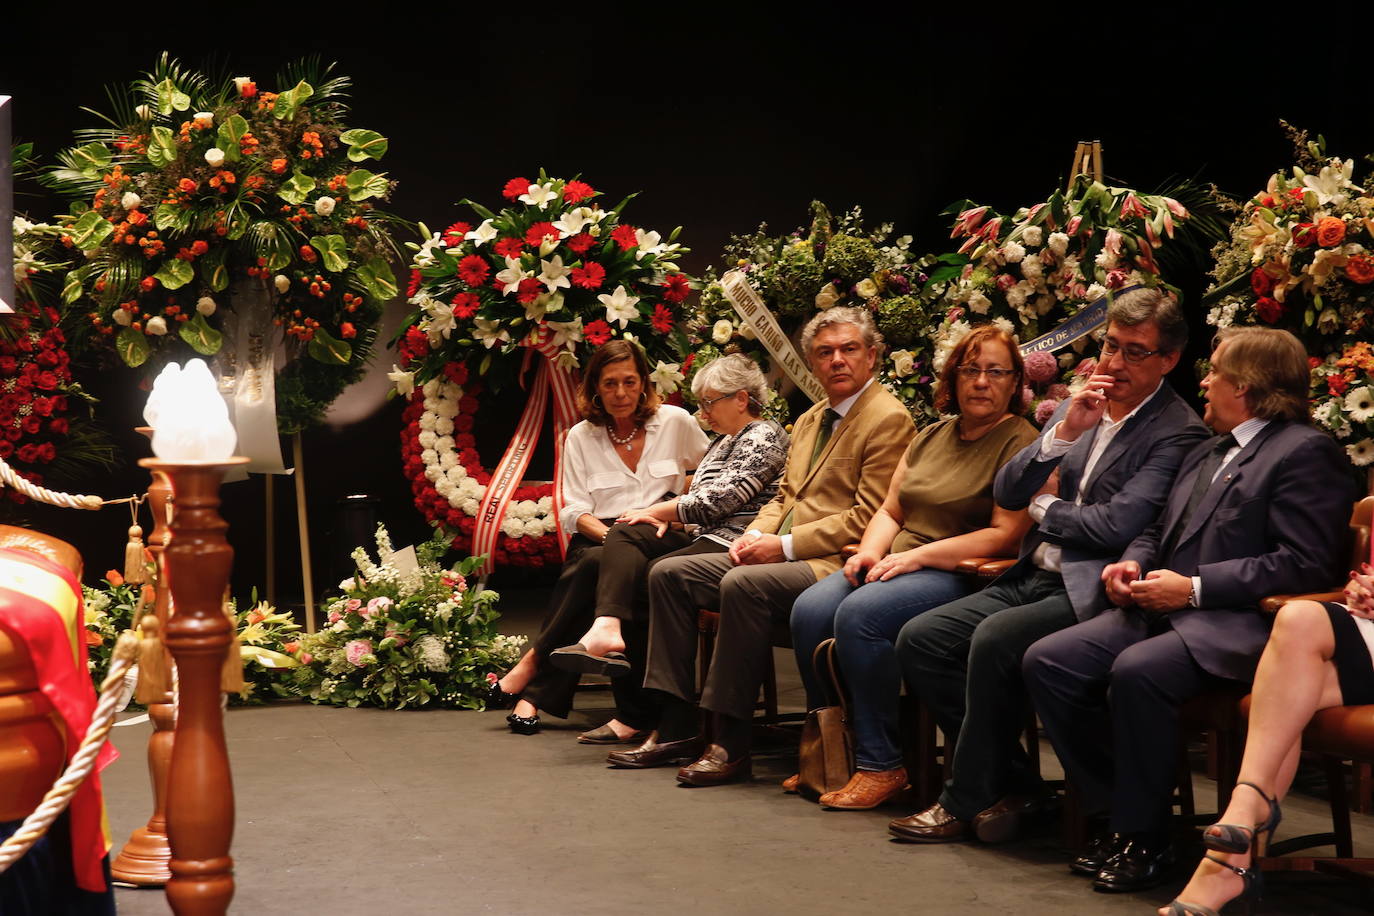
{"points": [[706, 405], [971, 373], [1131, 353]]}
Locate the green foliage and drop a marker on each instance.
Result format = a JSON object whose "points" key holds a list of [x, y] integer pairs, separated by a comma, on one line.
{"points": [[849, 259]]}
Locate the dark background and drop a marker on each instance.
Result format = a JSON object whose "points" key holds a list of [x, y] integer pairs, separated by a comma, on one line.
{"points": [[722, 118]]}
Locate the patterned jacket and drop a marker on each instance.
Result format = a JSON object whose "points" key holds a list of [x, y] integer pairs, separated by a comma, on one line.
{"points": [[736, 477]]}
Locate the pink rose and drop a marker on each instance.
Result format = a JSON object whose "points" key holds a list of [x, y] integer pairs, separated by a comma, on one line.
{"points": [[335, 615], [356, 650], [353, 604], [306, 658], [377, 605], [460, 586]]}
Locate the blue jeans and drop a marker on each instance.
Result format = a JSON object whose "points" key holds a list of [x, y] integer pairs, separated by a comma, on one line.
{"points": [[865, 622]]}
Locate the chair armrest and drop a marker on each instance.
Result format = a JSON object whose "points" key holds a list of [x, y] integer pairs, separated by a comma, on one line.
{"points": [[985, 567], [848, 550], [1272, 604]]}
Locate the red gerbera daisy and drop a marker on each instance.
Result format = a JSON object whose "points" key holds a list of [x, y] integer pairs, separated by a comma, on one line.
{"points": [[465, 305], [662, 319], [676, 288], [473, 270], [589, 277], [455, 234], [577, 191], [535, 234], [529, 290], [414, 285], [515, 187], [580, 243], [596, 332], [624, 236], [509, 248]]}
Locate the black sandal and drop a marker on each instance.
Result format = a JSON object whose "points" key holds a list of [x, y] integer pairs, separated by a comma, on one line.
{"points": [[577, 658], [1254, 885]]}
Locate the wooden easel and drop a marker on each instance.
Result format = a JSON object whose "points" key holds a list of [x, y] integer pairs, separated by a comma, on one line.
{"points": [[1087, 160]]}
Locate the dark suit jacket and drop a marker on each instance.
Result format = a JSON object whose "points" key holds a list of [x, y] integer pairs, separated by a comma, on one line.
{"points": [[1274, 522], [1128, 488]]}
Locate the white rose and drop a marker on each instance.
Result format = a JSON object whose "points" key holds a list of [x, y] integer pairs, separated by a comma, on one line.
{"points": [[215, 156], [534, 528], [903, 362], [1059, 243], [746, 331], [1013, 252], [205, 305], [827, 297], [347, 584], [1033, 235], [324, 206], [130, 200], [157, 325], [283, 282], [241, 81], [144, 112], [205, 117], [122, 317], [721, 331], [866, 288]]}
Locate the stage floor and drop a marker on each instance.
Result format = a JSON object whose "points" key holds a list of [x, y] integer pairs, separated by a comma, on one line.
{"points": [[361, 811]]}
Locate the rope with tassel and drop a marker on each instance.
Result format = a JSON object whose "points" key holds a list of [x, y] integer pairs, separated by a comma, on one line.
{"points": [[60, 795]]}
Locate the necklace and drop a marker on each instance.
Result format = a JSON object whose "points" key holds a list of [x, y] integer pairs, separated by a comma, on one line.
{"points": [[628, 441]]}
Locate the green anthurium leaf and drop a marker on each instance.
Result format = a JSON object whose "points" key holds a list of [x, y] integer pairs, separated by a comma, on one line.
{"points": [[90, 230], [170, 98], [364, 144], [132, 347], [362, 184], [91, 159], [172, 216], [377, 278], [327, 349], [175, 274], [213, 270], [202, 338], [295, 188], [75, 284], [284, 109], [162, 147], [333, 252], [230, 132]]}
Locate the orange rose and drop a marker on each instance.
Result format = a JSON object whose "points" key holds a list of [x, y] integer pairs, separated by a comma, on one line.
{"points": [[114, 577], [1360, 268], [1330, 231]]}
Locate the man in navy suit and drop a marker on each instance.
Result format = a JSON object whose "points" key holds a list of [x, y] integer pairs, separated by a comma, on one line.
{"points": [[1260, 509], [1096, 478]]}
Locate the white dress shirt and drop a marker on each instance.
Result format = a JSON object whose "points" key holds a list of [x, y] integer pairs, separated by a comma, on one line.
{"points": [[597, 482]]}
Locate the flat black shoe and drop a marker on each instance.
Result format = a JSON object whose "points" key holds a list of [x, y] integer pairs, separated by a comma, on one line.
{"points": [[577, 658], [1141, 864], [523, 725], [1090, 861], [498, 698]]}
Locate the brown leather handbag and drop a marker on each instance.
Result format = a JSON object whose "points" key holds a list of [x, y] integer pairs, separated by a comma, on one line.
{"points": [[827, 744]]}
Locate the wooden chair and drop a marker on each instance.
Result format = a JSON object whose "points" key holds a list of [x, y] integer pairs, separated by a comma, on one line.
{"points": [[708, 625]]}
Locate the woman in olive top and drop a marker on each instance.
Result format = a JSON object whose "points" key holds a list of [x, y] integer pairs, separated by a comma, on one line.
{"points": [[939, 510]]}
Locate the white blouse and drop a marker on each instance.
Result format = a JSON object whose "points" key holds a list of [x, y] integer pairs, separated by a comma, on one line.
{"points": [[596, 482]]}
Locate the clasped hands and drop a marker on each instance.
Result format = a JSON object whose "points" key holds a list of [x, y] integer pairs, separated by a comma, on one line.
{"points": [[1359, 592], [1160, 591], [754, 547], [869, 567]]}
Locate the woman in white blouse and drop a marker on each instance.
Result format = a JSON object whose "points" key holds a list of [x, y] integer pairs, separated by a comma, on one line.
{"points": [[629, 452]]}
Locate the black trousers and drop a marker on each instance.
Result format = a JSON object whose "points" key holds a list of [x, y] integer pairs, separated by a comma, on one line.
{"points": [[609, 580], [1108, 692]]}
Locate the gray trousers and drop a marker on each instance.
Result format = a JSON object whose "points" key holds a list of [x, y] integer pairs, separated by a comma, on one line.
{"points": [[750, 600]]}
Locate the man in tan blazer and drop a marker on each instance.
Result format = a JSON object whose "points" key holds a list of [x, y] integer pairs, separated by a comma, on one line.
{"points": [[842, 458]]}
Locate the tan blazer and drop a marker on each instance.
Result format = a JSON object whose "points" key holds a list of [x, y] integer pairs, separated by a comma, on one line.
{"points": [[834, 501]]}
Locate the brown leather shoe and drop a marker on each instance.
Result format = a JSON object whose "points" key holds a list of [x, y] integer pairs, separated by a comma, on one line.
{"points": [[866, 789], [714, 768], [653, 753], [933, 825], [792, 783], [1002, 822]]}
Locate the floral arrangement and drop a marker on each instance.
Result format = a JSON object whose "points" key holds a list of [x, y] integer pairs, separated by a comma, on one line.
{"points": [[405, 637], [834, 261], [196, 197], [1301, 257], [552, 270], [109, 611]]}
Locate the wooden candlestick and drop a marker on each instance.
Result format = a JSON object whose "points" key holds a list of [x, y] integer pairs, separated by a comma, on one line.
{"points": [[200, 792], [144, 860]]}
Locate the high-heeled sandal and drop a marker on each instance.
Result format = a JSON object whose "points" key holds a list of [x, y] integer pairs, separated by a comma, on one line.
{"points": [[498, 698], [1238, 838], [1249, 874]]}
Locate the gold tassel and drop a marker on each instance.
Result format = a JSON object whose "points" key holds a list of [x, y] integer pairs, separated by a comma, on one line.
{"points": [[154, 672], [135, 567], [231, 675]]}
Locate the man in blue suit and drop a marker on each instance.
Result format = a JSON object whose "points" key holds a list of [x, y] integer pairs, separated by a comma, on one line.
{"points": [[1260, 509], [1095, 479]]}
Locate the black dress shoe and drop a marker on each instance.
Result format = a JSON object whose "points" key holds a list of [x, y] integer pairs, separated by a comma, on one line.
{"points": [[498, 698], [1142, 863], [655, 753], [1091, 859], [523, 725]]}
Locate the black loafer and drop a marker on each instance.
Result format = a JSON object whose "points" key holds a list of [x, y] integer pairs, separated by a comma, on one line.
{"points": [[655, 753], [1142, 863], [523, 725], [1091, 859]]}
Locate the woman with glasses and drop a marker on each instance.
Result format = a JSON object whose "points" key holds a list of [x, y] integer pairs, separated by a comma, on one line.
{"points": [[939, 510], [735, 478]]}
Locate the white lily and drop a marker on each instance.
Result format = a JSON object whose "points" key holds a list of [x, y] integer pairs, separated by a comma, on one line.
{"points": [[649, 243], [535, 311], [565, 333], [441, 320], [403, 380], [512, 275], [592, 214], [571, 223], [539, 195], [489, 332], [554, 275], [425, 257], [482, 234], [620, 306], [666, 377], [1331, 183]]}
